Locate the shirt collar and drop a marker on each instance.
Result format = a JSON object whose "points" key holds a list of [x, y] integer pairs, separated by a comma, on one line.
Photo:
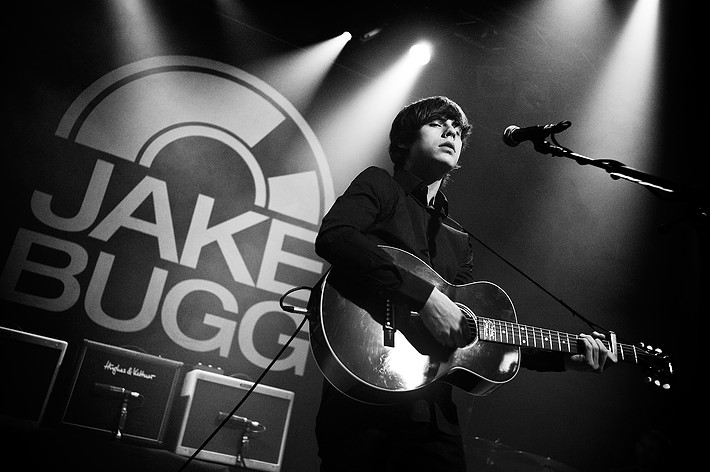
{"points": [[414, 186]]}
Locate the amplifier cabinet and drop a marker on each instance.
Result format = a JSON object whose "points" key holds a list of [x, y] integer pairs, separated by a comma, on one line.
{"points": [[124, 393], [263, 417], [30, 366]]}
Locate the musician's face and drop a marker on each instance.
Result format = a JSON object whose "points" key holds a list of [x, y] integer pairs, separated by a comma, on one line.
{"points": [[436, 149]]}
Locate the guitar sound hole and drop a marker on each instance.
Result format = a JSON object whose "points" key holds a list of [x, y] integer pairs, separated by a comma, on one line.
{"points": [[470, 321]]}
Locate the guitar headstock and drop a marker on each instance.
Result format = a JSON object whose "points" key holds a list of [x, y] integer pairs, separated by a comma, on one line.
{"points": [[657, 365]]}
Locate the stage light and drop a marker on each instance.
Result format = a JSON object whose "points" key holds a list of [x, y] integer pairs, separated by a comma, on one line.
{"points": [[420, 53], [356, 133], [622, 100], [612, 105], [301, 71], [370, 34]]}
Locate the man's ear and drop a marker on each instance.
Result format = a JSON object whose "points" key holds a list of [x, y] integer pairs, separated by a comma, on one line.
{"points": [[403, 146]]}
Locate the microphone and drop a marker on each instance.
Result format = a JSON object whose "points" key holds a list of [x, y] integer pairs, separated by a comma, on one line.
{"points": [[241, 422], [114, 390], [514, 135]]}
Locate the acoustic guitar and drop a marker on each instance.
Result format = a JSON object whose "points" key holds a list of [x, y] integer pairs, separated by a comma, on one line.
{"points": [[376, 351]]}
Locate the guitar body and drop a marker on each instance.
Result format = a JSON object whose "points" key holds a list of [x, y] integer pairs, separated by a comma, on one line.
{"points": [[348, 341]]}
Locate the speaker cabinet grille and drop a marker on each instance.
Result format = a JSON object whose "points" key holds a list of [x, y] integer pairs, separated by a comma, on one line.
{"points": [[30, 366], [109, 378], [210, 397]]}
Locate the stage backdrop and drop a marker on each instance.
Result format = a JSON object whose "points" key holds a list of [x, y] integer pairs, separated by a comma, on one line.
{"points": [[165, 181]]}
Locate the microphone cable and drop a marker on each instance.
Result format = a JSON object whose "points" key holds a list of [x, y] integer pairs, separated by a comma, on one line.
{"points": [[530, 279]]}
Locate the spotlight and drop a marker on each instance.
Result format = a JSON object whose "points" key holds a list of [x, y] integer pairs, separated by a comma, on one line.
{"points": [[420, 53]]}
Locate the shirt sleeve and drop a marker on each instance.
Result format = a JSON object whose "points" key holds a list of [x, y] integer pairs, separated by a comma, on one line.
{"points": [[342, 239], [465, 274]]}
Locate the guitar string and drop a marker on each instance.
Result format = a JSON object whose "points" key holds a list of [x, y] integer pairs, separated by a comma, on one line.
{"points": [[545, 337]]}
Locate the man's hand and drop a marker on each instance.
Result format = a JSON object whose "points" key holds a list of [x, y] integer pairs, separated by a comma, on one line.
{"points": [[445, 320], [595, 357]]}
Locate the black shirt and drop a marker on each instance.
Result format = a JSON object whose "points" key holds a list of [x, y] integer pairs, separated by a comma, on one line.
{"points": [[379, 209]]}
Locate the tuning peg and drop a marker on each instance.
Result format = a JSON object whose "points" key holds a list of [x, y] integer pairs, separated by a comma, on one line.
{"points": [[666, 386], [658, 350]]}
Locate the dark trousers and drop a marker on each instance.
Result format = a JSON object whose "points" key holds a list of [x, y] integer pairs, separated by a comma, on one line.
{"points": [[415, 447]]}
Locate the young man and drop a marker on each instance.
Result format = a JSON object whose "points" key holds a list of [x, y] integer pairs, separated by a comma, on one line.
{"points": [[407, 210]]}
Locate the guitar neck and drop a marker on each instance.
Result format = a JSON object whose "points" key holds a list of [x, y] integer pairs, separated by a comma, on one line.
{"points": [[506, 332]]}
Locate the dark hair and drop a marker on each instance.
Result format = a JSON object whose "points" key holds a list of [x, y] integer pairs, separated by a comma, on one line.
{"points": [[415, 115]]}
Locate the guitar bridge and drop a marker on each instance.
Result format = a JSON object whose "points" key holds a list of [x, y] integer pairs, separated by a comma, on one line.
{"points": [[389, 325]]}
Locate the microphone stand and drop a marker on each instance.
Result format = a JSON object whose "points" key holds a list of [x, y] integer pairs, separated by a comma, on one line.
{"points": [[617, 170]]}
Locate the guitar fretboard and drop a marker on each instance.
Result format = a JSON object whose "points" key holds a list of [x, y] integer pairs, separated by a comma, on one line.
{"points": [[506, 332]]}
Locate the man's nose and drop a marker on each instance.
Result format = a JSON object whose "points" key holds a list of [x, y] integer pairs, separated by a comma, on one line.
{"points": [[449, 131]]}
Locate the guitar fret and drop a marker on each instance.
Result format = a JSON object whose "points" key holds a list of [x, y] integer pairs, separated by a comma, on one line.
{"points": [[520, 338], [509, 332], [569, 344], [623, 351], [546, 339]]}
